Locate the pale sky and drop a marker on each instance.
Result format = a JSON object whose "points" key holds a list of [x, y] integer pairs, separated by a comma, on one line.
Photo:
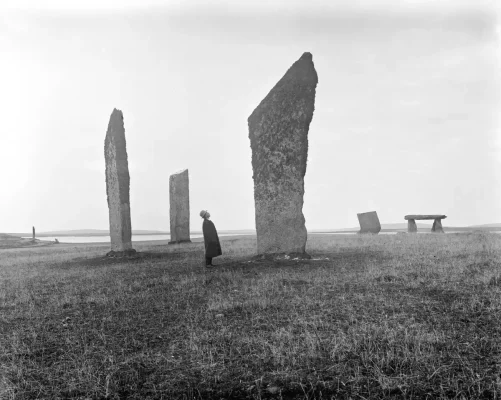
{"points": [[406, 114]]}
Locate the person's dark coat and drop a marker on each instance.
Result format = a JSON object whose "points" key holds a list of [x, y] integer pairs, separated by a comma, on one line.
{"points": [[211, 240]]}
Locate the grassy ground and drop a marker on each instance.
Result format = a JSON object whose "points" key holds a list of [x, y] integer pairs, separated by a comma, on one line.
{"points": [[388, 316]]}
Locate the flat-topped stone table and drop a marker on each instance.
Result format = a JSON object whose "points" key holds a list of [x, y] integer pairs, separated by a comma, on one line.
{"points": [[437, 223]]}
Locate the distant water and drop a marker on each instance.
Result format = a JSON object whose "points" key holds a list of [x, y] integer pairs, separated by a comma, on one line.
{"points": [[346, 233], [106, 239], [388, 233], [102, 239], [144, 238]]}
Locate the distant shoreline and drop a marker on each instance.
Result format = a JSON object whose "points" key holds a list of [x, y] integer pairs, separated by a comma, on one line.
{"points": [[107, 233], [245, 232], [446, 229]]}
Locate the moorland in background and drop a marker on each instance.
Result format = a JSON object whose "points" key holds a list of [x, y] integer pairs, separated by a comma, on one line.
{"points": [[370, 316]]}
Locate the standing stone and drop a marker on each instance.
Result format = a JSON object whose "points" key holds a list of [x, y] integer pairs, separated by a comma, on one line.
{"points": [[179, 192], [278, 132], [117, 184], [33, 233], [411, 226], [369, 222], [437, 226]]}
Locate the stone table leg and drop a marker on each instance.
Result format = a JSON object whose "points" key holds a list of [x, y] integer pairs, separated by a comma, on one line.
{"points": [[437, 226], [411, 226]]}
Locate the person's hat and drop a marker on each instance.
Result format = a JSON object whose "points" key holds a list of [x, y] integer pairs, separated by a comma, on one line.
{"points": [[203, 213]]}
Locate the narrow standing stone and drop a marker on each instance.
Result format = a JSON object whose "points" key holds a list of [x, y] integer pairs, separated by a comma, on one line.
{"points": [[179, 192], [278, 132], [33, 233], [117, 184]]}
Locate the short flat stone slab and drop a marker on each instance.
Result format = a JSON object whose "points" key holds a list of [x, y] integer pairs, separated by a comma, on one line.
{"points": [[369, 222], [421, 217], [437, 224]]}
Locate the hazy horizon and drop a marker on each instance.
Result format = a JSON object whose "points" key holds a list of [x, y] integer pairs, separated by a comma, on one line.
{"points": [[406, 113], [384, 225]]}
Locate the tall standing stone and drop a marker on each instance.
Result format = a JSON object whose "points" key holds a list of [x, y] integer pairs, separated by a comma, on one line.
{"points": [[179, 193], [278, 132], [33, 233], [117, 184]]}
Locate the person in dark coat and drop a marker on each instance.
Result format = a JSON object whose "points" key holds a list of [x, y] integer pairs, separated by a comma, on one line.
{"points": [[211, 240]]}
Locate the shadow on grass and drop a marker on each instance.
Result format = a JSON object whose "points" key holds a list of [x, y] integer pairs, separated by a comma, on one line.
{"points": [[137, 258]]}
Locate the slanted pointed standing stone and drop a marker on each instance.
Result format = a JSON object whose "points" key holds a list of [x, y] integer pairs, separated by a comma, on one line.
{"points": [[278, 132], [179, 193], [117, 185]]}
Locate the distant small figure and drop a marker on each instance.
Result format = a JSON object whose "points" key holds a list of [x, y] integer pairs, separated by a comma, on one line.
{"points": [[55, 240], [211, 240]]}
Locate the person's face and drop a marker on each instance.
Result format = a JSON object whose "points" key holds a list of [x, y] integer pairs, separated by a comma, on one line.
{"points": [[207, 215]]}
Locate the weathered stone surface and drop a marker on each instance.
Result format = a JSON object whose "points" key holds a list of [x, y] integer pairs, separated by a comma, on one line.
{"points": [[437, 226], [278, 132], [369, 222], [411, 226], [179, 192], [117, 183], [422, 217]]}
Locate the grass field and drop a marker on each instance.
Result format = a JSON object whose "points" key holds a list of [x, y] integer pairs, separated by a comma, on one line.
{"points": [[387, 316]]}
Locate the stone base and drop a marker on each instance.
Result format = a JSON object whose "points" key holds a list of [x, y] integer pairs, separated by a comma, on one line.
{"points": [[411, 226], [282, 256], [180, 241], [119, 254], [437, 226]]}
